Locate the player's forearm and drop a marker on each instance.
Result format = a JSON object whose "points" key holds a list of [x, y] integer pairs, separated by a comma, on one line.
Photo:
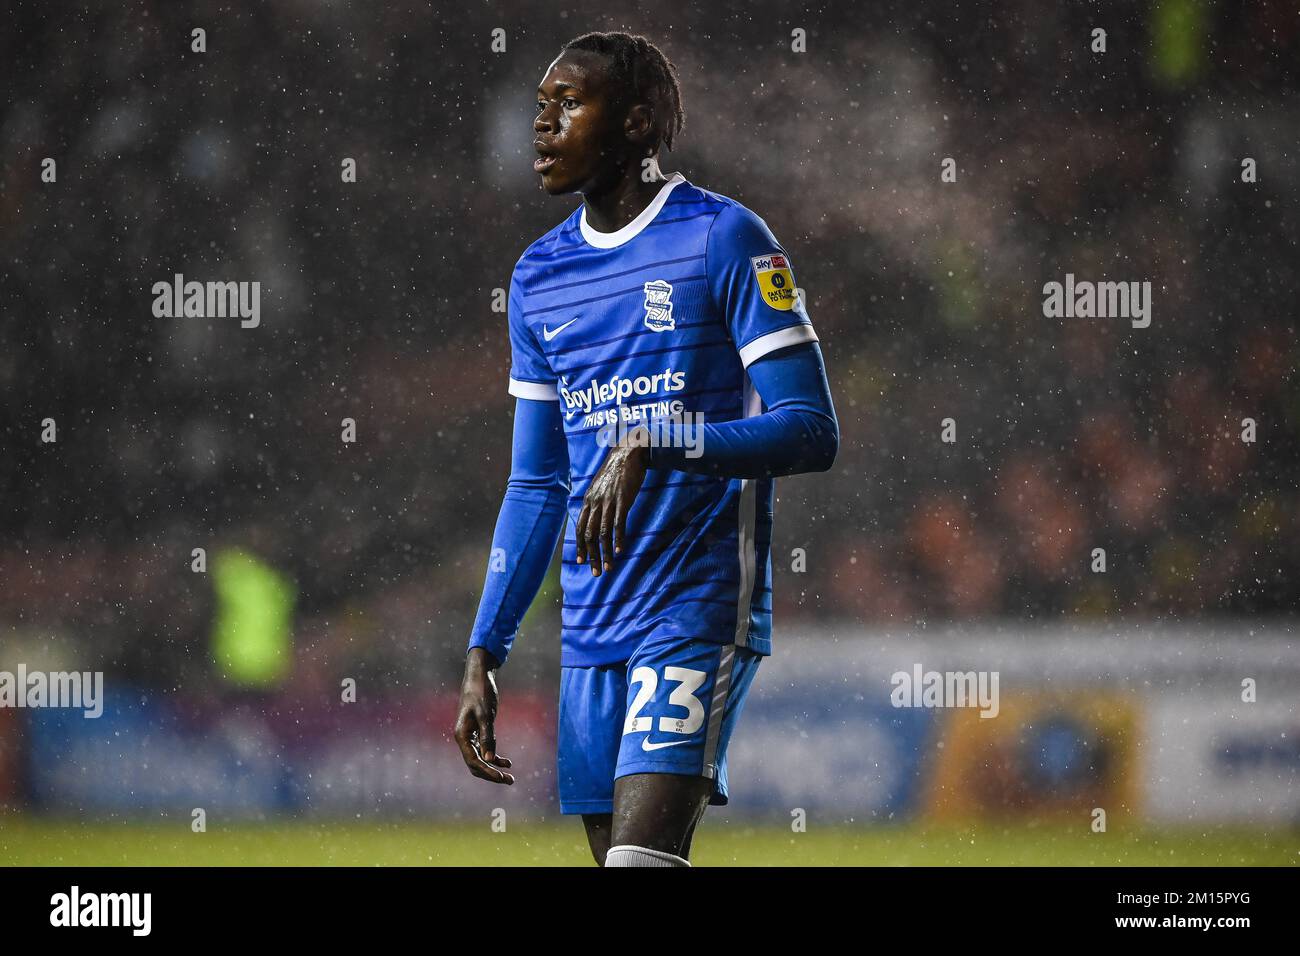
{"points": [[781, 441], [528, 527], [797, 433]]}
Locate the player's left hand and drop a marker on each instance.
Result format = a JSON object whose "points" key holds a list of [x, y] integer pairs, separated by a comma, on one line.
{"points": [[602, 526]]}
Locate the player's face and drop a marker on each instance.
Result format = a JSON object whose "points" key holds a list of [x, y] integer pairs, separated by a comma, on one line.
{"points": [[578, 135]]}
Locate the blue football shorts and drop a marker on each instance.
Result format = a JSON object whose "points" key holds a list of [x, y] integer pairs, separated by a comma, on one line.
{"points": [[670, 709]]}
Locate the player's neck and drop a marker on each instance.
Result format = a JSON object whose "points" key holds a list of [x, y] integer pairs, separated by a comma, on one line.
{"points": [[612, 210]]}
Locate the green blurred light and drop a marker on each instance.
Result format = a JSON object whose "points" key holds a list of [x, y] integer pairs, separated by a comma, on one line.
{"points": [[548, 595], [1178, 30], [957, 282], [253, 631]]}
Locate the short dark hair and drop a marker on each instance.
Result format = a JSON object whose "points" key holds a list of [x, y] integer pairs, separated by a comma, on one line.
{"points": [[642, 74]]}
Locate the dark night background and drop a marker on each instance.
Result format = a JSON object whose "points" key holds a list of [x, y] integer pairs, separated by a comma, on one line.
{"points": [[377, 305]]}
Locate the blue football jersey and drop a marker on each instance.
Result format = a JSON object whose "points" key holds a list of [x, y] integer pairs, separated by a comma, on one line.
{"points": [[658, 321]]}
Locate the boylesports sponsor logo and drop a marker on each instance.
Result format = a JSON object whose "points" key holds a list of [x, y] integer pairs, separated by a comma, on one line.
{"points": [[618, 389]]}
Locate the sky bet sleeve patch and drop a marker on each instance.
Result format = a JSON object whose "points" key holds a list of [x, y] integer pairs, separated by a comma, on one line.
{"points": [[775, 283]]}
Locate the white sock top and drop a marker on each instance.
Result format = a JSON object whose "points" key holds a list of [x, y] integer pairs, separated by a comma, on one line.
{"points": [[628, 855]]}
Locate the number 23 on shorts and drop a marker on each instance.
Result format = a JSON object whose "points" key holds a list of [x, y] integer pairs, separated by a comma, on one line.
{"points": [[682, 697]]}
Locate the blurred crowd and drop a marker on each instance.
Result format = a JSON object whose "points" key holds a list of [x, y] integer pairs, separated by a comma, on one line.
{"points": [[1071, 435]]}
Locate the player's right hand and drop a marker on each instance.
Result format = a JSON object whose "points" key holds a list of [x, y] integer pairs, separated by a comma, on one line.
{"points": [[475, 719]]}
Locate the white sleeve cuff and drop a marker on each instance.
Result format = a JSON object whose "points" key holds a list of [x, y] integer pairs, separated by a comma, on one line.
{"points": [[537, 391], [781, 338]]}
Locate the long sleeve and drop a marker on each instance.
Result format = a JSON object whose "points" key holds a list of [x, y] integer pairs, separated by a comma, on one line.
{"points": [[797, 432], [528, 526]]}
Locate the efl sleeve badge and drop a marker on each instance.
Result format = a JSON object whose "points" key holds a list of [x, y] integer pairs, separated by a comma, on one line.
{"points": [[775, 283]]}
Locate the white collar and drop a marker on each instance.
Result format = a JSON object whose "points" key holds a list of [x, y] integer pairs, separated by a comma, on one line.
{"points": [[609, 240]]}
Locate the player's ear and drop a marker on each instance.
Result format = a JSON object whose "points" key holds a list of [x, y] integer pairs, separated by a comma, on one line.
{"points": [[639, 124]]}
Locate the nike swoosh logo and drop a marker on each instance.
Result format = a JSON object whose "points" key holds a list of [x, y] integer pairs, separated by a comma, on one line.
{"points": [[647, 745], [549, 334]]}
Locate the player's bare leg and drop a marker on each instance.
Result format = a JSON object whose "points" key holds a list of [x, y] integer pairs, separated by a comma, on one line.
{"points": [[658, 811], [690, 835], [599, 829], [599, 826]]}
